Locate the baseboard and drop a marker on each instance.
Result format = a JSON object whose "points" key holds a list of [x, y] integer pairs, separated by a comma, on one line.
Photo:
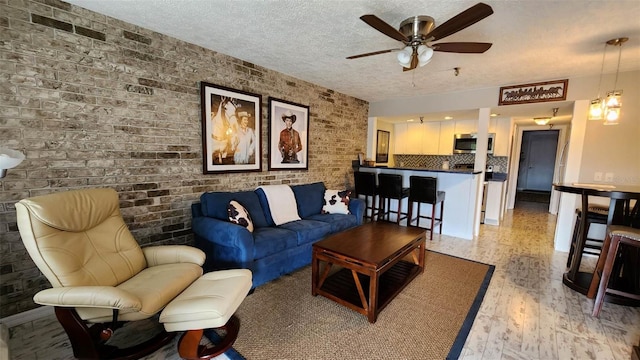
{"points": [[27, 316]]}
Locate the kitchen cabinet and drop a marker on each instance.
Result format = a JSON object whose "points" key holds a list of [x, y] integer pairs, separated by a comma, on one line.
{"points": [[447, 130], [501, 128], [414, 138], [400, 138], [495, 201], [431, 138], [466, 126]]}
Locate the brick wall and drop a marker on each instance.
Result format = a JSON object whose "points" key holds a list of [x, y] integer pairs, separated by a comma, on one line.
{"points": [[96, 102]]}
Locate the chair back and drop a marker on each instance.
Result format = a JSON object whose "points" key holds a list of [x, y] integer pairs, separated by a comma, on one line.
{"points": [[390, 186], [79, 238], [423, 189], [365, 183]]}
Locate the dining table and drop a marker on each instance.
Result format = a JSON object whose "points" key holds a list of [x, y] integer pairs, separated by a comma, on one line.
{"points": [[620, 196]]}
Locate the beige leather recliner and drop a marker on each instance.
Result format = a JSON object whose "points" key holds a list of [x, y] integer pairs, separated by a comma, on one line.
{"points": [[99, 273]]}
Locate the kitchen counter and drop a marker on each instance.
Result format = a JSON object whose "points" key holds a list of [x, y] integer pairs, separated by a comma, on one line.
{"points": [[463, 189], [450, 171]]}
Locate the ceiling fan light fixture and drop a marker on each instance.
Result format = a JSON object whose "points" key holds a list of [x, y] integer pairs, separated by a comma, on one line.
{"points": [[425, 54], [404, 56]]}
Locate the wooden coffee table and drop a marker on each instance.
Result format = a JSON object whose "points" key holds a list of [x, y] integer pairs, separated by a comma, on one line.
{"points": [[374, 262]]}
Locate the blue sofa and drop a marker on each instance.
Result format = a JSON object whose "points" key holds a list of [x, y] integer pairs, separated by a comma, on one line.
{"points": [[269, 251]]}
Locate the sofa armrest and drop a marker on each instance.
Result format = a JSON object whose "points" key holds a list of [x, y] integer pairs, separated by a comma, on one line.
{"points": [[225, 234], [89, 296], [356, 207], [173, 254]]}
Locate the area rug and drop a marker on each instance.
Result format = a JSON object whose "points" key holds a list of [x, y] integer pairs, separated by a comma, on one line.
{"points": [[429, 319]]}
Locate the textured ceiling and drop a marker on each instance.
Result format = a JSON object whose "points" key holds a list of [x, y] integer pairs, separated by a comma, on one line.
{"points": [[533, 40]]}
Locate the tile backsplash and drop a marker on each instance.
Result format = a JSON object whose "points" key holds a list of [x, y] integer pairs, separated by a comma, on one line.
{"points": [[435, 161]]}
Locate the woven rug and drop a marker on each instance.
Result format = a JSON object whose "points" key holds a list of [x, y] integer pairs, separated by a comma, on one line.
{"points": [[429, 319]]}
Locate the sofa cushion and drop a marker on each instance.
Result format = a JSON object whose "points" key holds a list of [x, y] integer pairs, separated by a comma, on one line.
{"points": [[336, 202], [308, 230], [214, 204], [338, 222], [271, 240], [310, 198], [239, 215]]}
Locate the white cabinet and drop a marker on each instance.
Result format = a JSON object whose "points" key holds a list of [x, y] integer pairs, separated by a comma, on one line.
{"points": [[414, 138], [501, 128], [400, 138], [431, 138], [408, 138], [447, 130], [466, 126]]}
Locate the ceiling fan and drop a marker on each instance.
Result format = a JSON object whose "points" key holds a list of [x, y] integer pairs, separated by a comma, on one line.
{"points": [[417, 31]]}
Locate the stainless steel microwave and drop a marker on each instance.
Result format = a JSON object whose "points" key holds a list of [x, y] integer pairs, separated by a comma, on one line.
{"points": [[466, 143]]}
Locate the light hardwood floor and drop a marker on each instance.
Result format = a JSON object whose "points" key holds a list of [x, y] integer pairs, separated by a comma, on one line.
{"points": [[527, 312]]}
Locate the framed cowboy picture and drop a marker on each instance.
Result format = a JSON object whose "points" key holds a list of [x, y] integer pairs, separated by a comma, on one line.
{"points": [[231, 129], [288, 135]]}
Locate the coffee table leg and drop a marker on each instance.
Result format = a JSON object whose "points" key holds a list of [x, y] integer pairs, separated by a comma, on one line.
{"points": [[373, 298], [423, 249], [315, 263]]}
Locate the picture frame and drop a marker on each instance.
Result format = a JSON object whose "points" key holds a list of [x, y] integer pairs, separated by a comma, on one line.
{"points": [[288, 149], [536, 92], [382, 146], [228, 145]]}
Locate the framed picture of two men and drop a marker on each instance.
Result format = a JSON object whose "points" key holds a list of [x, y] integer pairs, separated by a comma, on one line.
{"points": [[288, 135], [231, 129]]}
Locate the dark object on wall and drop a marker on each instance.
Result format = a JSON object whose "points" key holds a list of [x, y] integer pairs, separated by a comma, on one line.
{"points": [[532, 93], [288, 135], [231, 129], [382, 147]]}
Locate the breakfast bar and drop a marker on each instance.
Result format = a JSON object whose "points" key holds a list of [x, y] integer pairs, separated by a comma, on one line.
{"points": [[462, 187]]}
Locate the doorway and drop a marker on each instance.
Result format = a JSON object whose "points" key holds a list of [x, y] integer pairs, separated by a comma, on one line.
{"points": [[536, 166]]}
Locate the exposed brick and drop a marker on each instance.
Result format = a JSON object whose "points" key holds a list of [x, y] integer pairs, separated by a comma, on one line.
{"points": [[156, 193], [90, 33], [123, 112], [136, 37], [42, 20]]}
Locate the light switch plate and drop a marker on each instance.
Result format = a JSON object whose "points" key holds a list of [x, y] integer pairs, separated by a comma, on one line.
{"points": [[608, 177], [597, 176]]}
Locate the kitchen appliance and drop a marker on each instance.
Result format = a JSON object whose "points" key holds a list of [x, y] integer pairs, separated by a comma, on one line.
{"points": [[466, 143]]}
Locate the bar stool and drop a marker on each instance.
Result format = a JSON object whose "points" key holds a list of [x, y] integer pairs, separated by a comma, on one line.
{"points": [[423, 189], [596, 214], [618, 266], [390, 187], [365, 183]]}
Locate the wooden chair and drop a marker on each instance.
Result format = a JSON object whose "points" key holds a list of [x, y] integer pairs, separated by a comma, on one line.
{"points": [[618, 266]]}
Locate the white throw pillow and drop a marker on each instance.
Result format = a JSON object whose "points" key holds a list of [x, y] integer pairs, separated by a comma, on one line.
{"points": [[239, 215], [336, 202]]}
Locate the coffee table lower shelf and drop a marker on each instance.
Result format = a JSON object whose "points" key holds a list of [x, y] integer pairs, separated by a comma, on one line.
{"points": [[341, 288]]}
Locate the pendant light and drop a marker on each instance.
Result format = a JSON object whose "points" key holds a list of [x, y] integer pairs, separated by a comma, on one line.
{"points": [[596, 108], [608, 109], [613, 102]]}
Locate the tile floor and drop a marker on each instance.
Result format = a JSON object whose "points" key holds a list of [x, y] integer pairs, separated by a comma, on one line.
{"points": [[527, 312]]}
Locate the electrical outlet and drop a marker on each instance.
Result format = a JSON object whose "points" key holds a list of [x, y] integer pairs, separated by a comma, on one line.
{"points": [[608, 177], [597, 176]]}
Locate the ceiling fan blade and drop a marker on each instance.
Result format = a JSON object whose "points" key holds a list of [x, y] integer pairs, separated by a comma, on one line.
{"points": [[372, 53], [462, 47], [464, 19], [379, 24]]}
